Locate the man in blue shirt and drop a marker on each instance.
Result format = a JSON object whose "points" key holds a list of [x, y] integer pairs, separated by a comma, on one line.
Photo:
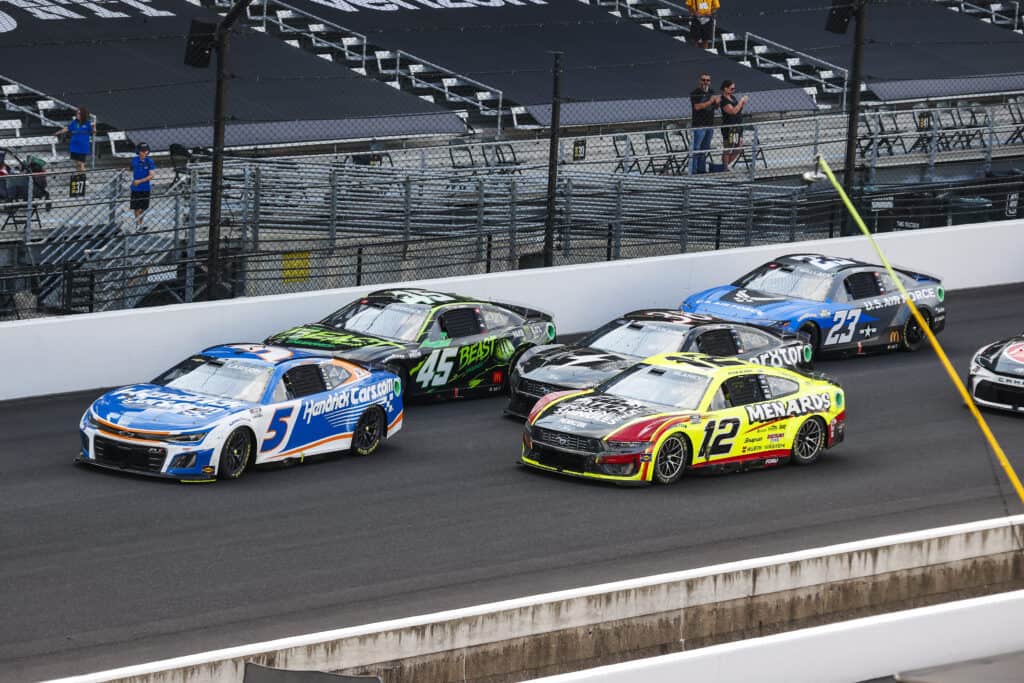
{"points": [[142, 174]]}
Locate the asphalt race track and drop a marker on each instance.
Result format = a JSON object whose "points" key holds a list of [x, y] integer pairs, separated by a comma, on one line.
{"points": [[101, 570]]}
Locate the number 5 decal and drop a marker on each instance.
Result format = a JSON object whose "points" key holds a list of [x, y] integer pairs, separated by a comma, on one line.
{"points": [[722, 443], [843, 325], [277, 430], [438, 367]]}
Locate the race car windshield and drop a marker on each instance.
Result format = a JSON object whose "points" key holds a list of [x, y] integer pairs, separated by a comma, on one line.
{"points": [[795, 283], [401, 322], [664, 386], [235, 379], [638, 339]]}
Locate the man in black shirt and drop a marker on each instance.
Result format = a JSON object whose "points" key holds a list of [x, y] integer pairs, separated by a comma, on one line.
{"points": [[732, 117], [703, 104]]}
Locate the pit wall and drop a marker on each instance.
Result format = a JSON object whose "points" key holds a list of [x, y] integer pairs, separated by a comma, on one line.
{"points": [[658, 615], [71, 353]]}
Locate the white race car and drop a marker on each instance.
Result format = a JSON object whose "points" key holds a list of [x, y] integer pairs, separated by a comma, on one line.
{"points": [[996, 377]]}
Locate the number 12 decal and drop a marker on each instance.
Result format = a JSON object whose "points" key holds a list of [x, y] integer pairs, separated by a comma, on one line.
{"points": [[722, 442], [843, 325]]}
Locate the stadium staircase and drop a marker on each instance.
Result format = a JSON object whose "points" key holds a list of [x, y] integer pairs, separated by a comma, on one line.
{"points": [[478, 104], [823, 81], [1003, 14], [91, 260]]}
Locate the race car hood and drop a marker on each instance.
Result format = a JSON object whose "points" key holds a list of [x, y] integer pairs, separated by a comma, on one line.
{"points": [[1010, 360], [153, 407], [594, 415], [355, 346], [574, 366], [748, 305]]}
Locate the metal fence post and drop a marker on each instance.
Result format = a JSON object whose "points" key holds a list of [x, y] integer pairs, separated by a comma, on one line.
{"points": [[359, 266], [793, 214], [92, 142], [872, 167], [479, 219], [28, 206], [246, 202], [257, 194], [817, 135], [407, 216], [333, 227], [989, 121], [513, 232], [684, 221], [933, 145], [567, 219], [617, 232], [750, 215], [190, 250], [754, 145]]}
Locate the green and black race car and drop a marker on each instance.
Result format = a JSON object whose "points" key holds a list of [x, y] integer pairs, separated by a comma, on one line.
{"points": [[440, 345]]}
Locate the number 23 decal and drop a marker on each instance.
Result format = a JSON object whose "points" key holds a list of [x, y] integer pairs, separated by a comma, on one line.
{"points": [[719, 443], [844, 323]]}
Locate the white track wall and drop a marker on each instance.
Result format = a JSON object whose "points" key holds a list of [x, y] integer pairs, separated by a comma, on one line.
{"points": [[71, 353]]}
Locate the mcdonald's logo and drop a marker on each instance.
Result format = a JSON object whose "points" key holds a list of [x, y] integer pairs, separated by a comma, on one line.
{"points": [[894, 336]]}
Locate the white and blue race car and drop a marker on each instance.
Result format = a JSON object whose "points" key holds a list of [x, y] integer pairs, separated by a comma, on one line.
{"points": [[220, 411], [838, 304]]}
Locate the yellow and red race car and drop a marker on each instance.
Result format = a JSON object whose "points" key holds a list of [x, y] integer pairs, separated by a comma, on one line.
{"points": [[685, 411]]}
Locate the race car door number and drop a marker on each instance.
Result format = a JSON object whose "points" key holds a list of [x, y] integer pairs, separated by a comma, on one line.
{"points": [[437, 368], [722, 443], [844, 323]]}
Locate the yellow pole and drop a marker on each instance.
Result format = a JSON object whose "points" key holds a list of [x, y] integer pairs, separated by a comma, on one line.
{"points": [[939, 351]]}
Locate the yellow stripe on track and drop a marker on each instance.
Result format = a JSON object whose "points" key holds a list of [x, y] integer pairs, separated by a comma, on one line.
{"points": [[939, 351]]}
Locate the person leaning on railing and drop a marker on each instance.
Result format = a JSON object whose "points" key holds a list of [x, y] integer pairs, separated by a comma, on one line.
{"points": [[80, 145], [732, 120]]}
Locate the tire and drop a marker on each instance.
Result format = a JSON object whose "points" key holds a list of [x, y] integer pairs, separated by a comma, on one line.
{"points": [[236, 454], [672, 459], [370, 431], [813, 336], [809, 443], [912, 338]]}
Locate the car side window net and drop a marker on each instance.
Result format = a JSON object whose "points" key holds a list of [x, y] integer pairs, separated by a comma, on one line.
{"points": [[304, 380], [717, 343], [460, 322], [862, 286], [743, 390]]}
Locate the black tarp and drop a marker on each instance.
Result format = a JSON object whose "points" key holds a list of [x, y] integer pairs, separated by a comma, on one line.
{"points": [[914, 49], [124, 60], [614, 69]]}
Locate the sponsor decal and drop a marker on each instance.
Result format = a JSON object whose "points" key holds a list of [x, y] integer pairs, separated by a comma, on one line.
{"points": [[328, 338], [382, 391], [894, 336], [742, 296], [407, 296], [869, 331], [890, 300], [774, 410], [808, 353], [178, 404], [823, 262], [572, 423], [60, 10], [602, 409], [784, 357], [776, 437], [1015, 352], [394, 5], [771, 461]]}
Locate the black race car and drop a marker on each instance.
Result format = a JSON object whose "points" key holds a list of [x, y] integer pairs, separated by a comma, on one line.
{"points": [[996, 377], [637, 335], [440, 345]]}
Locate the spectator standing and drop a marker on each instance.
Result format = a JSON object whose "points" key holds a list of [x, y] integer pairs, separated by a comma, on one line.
{"points": [[142, 173], [702, 21], [80, 144], [703, 103], [732, 120]]}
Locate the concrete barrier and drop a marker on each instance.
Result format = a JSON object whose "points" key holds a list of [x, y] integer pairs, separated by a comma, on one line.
{"points": [[855, 650], [594, 626], [70, 353]]}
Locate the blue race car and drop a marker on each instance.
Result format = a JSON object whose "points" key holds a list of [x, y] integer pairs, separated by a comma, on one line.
{"points": [[839, 304], [228, 407]]}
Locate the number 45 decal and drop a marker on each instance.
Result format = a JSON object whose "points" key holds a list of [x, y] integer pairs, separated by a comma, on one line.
{"points": [[437, 368], [843, 325]]}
